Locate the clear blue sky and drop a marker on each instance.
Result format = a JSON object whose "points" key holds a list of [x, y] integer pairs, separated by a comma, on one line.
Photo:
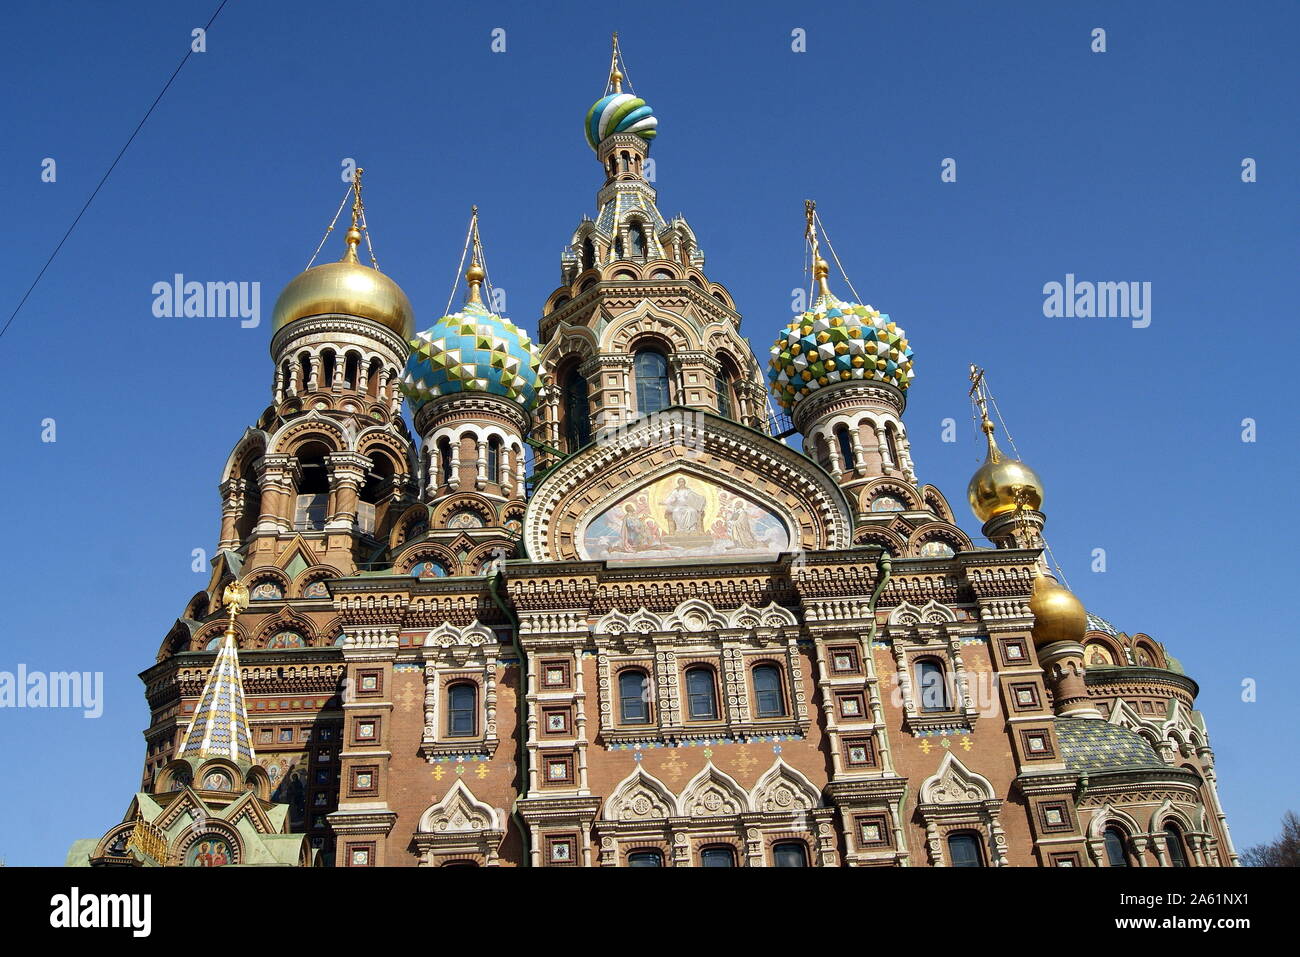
{"points": [[1117, 166]]}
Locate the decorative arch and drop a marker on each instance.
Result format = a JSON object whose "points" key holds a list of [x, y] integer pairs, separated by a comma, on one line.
{"points": [[460, 812], [783, 788], [308, 428], [713, 793], [640, 797], [954, 783], [250, 447]]}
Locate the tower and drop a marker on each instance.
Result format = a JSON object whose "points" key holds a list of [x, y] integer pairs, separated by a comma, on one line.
{"points": [[636, 326], [471, 380], [330, 459]]}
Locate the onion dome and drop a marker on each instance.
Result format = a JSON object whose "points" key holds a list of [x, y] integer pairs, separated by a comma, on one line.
{"points": [[1002, 484], [473, 350], [1058, 615], [347, 287], [619, 112], [834, 342]]}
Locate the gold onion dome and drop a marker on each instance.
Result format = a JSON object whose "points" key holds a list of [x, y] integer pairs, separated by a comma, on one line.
{"points": [[1002, 484], [1058, 615], [347, 287]]}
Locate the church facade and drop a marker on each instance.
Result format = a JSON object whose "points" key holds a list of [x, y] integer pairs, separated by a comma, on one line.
{"points": [[602, 606]]}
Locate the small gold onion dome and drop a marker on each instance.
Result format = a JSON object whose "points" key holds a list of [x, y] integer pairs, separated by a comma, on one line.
{"points": [[1001, 484], [1058, 615], [348, 287]]}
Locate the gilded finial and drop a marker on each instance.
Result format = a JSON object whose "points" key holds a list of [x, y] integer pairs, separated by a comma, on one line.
{"points": [[615, 76], [979, 393], [353, 237], [821, 268], [235, 599], [476, 273]]}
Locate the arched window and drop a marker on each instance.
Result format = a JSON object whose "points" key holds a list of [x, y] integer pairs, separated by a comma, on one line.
{"points": [[650, 368], [636, 241], [494, 459], [1116, 847], [444, 459], [702, 697], [931, 685], [722, 385], [645, 859], [577, 412], [720, 855], [588, 255], [313, 488], [352, 370], [891, 442], [372, 378], [618, 247], [767, 691], [462, 705], [327, 368], [790, 854], [633, 706], [304, 371], [286, 378], [964, 850], [846, 447], [1174, 845]]}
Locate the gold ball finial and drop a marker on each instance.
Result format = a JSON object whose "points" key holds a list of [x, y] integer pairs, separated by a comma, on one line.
{"points": [[1058, 614], [475, 273]]}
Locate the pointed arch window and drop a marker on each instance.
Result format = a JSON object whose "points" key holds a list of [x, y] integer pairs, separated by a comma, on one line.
{"points": [[650, 369], [588, 255], [636, 241]]}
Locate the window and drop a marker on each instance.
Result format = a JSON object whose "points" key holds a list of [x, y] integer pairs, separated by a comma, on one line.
{"points": [[892, 444], [636, 241], [462, 701], [494, 459], [702, 699], [1116, 844], [588, 255], [577, 412], [633, 688], [767, 691], [964, 850], [790, 854], [645, 859], [718, 856], [722, 385], [444, 459], [932, 689], [1174, 845], [650, 369], [846, 447]]}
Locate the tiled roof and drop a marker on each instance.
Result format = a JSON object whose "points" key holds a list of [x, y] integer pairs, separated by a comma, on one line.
{"points": [[1091, 745]]}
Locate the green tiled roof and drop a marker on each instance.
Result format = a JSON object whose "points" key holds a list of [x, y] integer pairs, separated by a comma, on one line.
{"points": [[1091, 745]]}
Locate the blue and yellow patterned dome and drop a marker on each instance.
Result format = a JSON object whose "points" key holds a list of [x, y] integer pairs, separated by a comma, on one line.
{"points": [[836, 342], [620, 113], [473, 350]]}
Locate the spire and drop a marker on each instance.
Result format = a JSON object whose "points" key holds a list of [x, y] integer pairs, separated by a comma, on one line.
{"points": [[821, 268], [615, 76], [980, 396], [219, 728], [476, 273], [353, 237]]}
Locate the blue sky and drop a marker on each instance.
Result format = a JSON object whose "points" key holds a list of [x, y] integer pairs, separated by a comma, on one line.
{"points": [[1115, 166]]}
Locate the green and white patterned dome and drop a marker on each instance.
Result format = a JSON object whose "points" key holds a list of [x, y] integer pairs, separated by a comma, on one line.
{"points": [[473, 350], [837, 342]]}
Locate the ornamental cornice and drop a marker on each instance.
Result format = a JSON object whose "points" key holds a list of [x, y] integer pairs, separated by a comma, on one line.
{"points": [[467, 405], [844, 396], [1127, 680], [331, 325]]}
